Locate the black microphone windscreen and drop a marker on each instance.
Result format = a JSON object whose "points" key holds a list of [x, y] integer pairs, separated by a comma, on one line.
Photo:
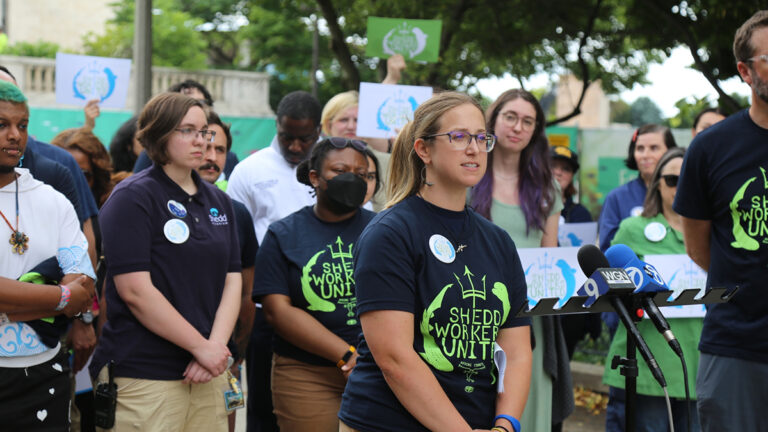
{"points": [[591, 258]]}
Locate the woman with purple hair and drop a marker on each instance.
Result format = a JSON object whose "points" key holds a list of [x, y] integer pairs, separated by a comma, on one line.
{"points": [[518, 193]]}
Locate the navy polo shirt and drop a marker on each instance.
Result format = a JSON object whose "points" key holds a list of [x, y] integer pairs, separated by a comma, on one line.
{"points": [[190, 272]]}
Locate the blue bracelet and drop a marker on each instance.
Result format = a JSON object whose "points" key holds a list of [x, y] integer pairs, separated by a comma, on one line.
{"points": [[515, 422]]}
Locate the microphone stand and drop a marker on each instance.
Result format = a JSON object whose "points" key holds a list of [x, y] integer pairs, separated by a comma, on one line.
{"points": [[612, 303]]}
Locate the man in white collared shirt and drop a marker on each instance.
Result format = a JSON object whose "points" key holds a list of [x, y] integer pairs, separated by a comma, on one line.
{"points": [[266, 180]]}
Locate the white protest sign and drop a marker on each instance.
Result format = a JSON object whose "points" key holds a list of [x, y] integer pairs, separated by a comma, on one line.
{"points": [[577, 234], [680, 273], [551, 272], [82, 78], [385, 108]]}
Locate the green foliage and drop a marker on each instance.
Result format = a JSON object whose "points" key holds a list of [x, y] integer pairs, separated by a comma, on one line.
{"points": [[37, 49], [620, 112], [644, 111], [618, 39], [594, 351], [687, 110], [175, 40]]}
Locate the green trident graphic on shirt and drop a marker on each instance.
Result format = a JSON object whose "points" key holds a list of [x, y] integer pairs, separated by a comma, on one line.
{"points": [[335, 281], [462, 336], [754, 218]]}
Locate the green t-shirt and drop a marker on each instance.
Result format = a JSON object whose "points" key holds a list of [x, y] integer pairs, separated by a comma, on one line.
{"points": [[687, 330], [512, 220]]}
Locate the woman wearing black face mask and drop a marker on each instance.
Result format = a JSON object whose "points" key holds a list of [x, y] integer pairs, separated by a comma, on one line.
{"points": [[306, 288]]}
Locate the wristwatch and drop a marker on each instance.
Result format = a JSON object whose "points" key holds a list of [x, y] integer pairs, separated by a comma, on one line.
{"points": [[86, 317]]}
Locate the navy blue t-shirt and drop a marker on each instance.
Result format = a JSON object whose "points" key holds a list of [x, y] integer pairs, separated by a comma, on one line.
{"points": [[724, 180], [142, 228], [459, 296], [310, 261]]}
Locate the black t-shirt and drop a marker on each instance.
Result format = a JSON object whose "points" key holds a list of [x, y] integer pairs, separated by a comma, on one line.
{"points": [[460, 296], [310, 261], [724, 180]]}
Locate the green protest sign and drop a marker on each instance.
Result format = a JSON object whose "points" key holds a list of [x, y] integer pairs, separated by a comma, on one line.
{"points": [[414, 39]]}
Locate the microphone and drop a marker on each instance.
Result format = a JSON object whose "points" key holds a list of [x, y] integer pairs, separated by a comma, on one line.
{"points": [[648, 280], [594, 263]]}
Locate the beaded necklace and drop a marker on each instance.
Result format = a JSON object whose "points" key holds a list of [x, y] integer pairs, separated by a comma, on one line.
{"points": [[19, 241]]}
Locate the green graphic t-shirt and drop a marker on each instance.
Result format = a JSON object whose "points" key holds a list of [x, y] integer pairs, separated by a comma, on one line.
{"points": [[461, 278], [724, 179], [311, 262]]}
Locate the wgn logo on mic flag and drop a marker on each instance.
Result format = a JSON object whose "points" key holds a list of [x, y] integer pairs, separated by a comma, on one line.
{"points": [[604, 281]]}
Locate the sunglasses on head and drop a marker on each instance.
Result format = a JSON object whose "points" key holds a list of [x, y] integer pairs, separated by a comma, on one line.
{"points": [[671, 179], [340, 143]]}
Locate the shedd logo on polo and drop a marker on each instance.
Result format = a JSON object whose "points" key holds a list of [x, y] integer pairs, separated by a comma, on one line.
{"points": [[459, 327], [217, 218]]}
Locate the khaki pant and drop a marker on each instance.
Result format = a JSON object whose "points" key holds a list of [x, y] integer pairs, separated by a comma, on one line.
{"points": [[306, 397], [169, 406]]}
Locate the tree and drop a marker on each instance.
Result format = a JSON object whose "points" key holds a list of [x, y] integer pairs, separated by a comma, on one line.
{"points": [[705, 27], [175, 40], [644, 111], [479, 41], [620, 112], [687, 110]]}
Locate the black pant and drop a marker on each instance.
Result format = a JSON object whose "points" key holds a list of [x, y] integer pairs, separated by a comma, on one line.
{"points": [[258, 363], [36, 398]]}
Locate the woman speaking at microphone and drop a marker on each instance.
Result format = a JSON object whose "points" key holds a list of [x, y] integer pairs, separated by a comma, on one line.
{"points": [[657, 231], [438, 288], [307, 288]]}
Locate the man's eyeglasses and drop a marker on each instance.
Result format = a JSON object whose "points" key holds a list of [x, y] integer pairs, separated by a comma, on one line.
{"points": [[526, 123], [461, 140], [671, 179], [763, 58], [340, 143], [189, 133]]}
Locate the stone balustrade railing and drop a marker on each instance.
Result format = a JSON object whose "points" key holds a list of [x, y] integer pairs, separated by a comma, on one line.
{"points": [[235, 93]]}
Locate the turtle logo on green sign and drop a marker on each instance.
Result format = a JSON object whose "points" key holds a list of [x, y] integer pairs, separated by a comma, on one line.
{"points": [[405, 39]]}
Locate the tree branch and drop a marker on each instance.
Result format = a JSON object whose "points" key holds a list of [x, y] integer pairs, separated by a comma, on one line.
{"points": [[583, 65], [449, 29], [339, 45], [692, 44]]}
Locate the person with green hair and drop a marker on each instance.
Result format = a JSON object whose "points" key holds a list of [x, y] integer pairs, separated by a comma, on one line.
{"points": [[45, 246]]}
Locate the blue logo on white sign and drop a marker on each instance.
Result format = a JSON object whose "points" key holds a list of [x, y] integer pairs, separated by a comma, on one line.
{"points": [[92, 82]]}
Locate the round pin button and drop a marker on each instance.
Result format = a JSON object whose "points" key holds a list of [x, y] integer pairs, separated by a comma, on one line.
{"points": [[442, 248], [176, 231], [176, 208], [655, 232]]}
